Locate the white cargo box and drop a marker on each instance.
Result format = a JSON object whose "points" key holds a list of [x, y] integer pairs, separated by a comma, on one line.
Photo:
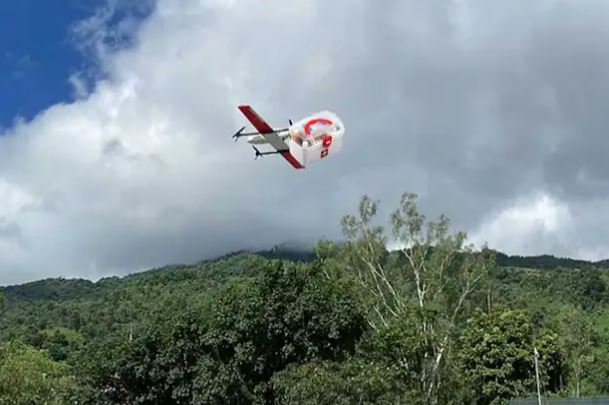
{"points": [[316, 137]]}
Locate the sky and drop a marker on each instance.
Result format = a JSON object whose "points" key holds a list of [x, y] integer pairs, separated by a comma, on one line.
{"points": [[35, 62], [116, 121], [40, 51]]}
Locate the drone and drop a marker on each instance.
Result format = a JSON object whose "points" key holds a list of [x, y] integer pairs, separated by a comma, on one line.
{"points": [[312, 138]]}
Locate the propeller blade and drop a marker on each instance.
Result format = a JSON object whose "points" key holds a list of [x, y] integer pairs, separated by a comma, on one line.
{"points": [[236, 135]]}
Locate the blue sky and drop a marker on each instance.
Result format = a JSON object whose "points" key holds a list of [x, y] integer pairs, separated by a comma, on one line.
{"points": [[37, 53]]}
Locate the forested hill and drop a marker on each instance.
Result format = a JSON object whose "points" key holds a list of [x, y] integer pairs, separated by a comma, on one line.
{"points": [[69, 289], [349, 323], [62, 289], [547, 262]]}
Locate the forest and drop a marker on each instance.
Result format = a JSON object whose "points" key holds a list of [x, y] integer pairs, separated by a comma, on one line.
{"points": [[437, 321]]}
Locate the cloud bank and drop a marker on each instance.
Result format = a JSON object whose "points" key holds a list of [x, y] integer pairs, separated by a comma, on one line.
{"points": [[494, 115]]}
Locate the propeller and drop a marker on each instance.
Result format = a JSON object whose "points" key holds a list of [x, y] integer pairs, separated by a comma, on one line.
{"points": [[258, 154], [236, 136]]}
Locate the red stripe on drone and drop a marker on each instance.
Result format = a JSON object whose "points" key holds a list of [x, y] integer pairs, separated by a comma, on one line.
{"points": [[255, 119], [288, 156], [314, 121]]}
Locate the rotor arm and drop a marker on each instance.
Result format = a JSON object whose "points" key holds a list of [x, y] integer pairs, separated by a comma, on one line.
{"points": [[260, 154], [240, 133]]}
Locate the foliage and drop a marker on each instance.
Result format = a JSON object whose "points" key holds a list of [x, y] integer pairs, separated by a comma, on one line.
{"points": [[29, 376], [497, 356], [351, 382], [577, 336], [290, 314], [436, 278]]}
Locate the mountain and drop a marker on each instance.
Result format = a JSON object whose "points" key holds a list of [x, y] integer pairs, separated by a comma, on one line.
{"points": [[60, 289]]}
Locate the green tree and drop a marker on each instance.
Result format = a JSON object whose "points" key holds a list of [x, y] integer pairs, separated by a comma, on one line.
{"points": [[59, 342], [576, 337], [435, 274], [354, 381], [291, 314], [288, 314], [386, 369], [497, 356], [29, 376]]}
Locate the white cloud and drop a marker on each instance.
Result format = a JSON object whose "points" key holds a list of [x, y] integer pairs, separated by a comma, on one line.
{"points": [[540, 223], [79, 86], [531, 224], [448, 99]]}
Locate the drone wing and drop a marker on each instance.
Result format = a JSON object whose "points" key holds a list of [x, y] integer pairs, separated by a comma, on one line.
{"points": [[270, 135]]}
